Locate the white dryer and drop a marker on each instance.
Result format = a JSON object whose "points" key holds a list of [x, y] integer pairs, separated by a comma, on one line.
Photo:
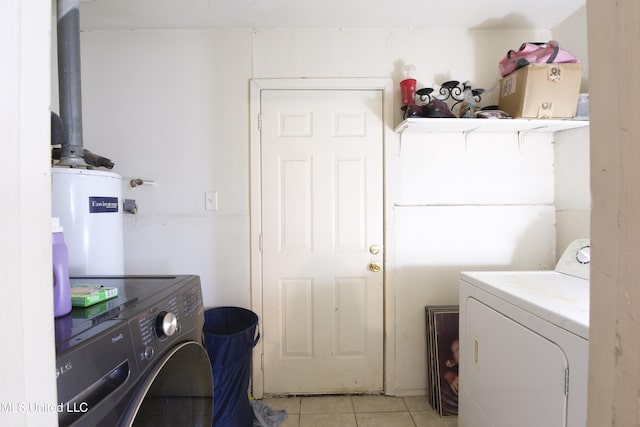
{"points": [[524, 338]]}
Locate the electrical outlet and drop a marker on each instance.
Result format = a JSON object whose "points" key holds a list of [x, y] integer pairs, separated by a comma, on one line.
{"points": [[211, 200], [129, 206]]}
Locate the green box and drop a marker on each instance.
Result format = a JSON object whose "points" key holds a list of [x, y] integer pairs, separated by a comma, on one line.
{"points": [[84, 295]]}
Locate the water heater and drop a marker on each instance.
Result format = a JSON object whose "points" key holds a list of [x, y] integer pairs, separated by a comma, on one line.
{"points": [[89, 205]]}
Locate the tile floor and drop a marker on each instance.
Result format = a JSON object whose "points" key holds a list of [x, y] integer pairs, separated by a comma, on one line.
{"points": [[359, 411]]}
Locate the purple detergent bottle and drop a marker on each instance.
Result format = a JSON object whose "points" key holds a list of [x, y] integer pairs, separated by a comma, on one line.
{"points": [[61, 286]]}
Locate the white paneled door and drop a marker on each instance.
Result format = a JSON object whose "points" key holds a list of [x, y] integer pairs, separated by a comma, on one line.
{"points": [[322, 247]]}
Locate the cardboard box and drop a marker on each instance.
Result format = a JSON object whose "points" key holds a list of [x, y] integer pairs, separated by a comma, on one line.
{"points": [[541, 91]]}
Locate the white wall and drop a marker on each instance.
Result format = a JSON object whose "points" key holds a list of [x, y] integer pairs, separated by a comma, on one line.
{"points": [[571, 34], [572, 189], [172, 106], [438, 56]]}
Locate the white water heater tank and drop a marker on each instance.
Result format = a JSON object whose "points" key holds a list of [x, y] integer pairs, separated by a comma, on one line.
{"points": [[89, 205]]}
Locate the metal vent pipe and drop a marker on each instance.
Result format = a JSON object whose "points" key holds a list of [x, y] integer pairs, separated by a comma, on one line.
{"points": [[69, 82]]}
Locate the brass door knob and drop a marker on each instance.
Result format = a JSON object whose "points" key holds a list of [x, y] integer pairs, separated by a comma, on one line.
{"points": [[374, 266]]}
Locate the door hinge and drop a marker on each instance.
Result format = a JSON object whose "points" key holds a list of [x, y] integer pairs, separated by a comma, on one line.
{"points": [[260, 122], [566, 382], [262, 362], [260, 243]]}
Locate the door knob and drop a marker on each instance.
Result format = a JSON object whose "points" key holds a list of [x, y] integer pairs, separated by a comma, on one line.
{"points": [[374, 266]]}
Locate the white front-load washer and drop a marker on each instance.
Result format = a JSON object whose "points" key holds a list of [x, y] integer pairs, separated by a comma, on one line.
{"points": [[524, 338]]}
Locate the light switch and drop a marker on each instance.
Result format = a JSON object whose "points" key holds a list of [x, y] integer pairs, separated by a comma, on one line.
{"points": [[211, 200]]}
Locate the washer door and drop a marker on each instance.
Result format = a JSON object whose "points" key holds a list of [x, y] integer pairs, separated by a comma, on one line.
{"points": [[177, 392]]}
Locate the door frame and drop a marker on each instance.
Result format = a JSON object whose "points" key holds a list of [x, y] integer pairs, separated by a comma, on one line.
{"points": [[255, 211]]}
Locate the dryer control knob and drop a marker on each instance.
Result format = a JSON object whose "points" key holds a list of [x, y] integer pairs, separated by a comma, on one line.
{"points": [[166, 324], [583, 256]]}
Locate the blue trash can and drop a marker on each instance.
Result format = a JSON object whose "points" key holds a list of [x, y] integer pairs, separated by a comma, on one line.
{"points": [[230, 333]]}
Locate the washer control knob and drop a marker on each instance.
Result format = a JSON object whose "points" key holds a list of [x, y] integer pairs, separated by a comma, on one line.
{"points": [[166, 324]]}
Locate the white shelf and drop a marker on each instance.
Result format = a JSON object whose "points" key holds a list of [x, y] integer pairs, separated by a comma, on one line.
{"points": [[427, 125]]}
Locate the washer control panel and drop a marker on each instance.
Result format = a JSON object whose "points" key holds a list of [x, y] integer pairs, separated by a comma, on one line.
{"points": [[163, 325]]}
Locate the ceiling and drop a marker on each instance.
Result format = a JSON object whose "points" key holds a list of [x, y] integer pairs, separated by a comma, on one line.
{"points": [[459, 14]]}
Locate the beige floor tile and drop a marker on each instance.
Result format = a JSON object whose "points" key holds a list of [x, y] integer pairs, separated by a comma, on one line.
{"points": [[433, 419], [289, 404], [378, 404], [326, 405], [293, 420], [417, 403], [385, 419], [328, 420]]}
